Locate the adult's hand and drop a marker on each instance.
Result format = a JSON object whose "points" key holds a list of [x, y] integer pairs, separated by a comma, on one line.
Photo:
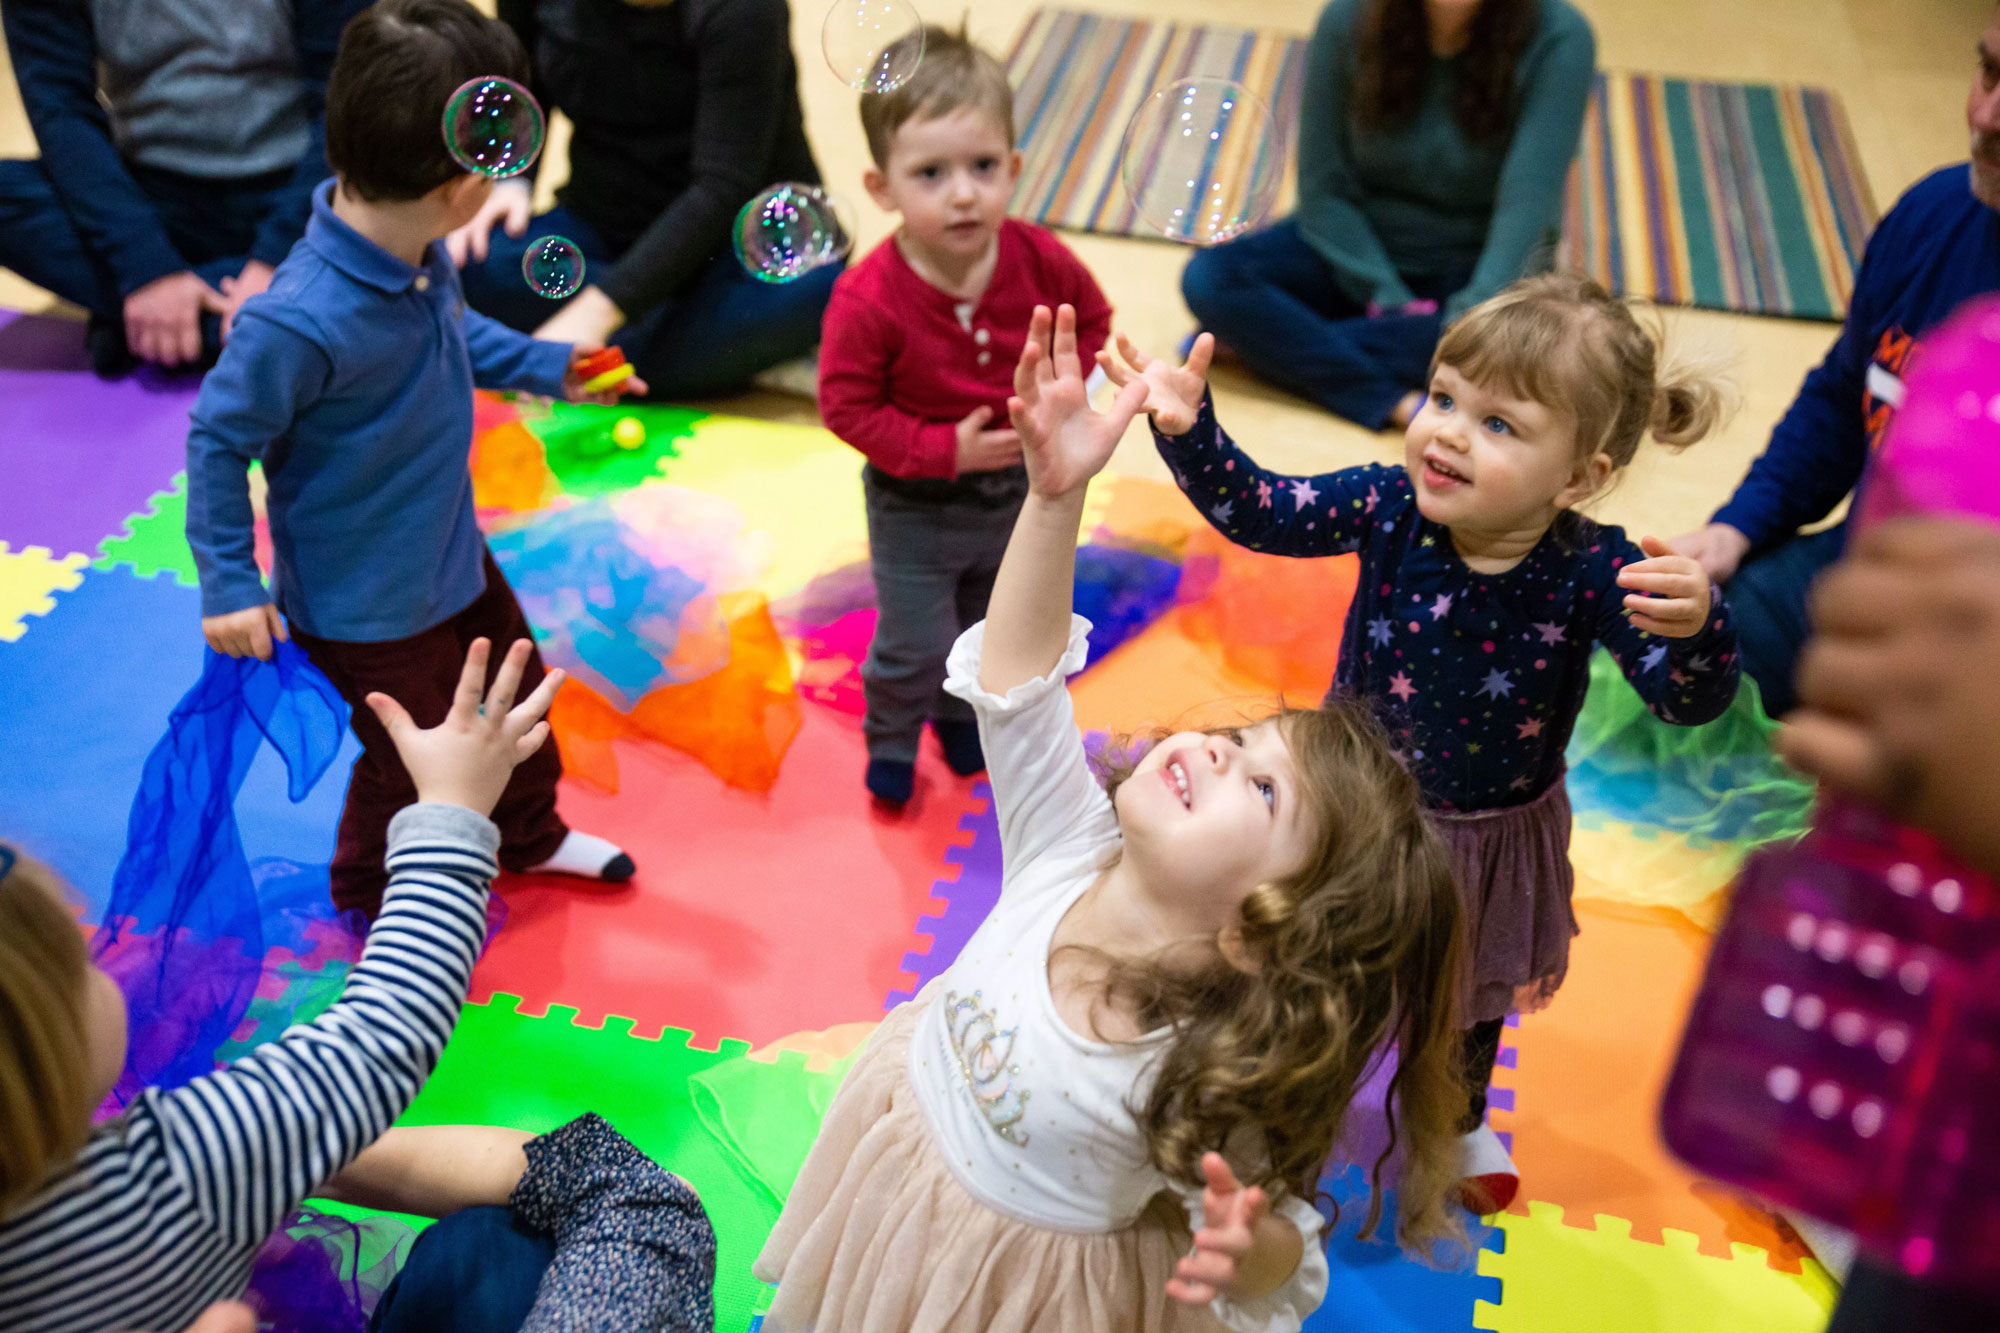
{"points": [[1718, 548], [255, 277], [511, 204], [1899, 706], [590, 318], [163, 318]]}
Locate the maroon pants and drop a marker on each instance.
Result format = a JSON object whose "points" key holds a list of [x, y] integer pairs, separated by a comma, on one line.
{"points": [[421, 673]]}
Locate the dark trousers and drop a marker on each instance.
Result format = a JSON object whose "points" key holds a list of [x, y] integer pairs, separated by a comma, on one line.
{"points": [[934, 568], [1768, 596], [476, 1271], [421, 673], [1482, 1048], [707, 339], [1278, 305], [1879, 1299], [212, 223]]}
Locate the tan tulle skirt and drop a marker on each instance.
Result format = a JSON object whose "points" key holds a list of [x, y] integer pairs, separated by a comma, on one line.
{"points": [[878, 1236]]}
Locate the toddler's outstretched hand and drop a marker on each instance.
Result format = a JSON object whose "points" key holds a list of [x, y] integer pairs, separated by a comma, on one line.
{"points": [[1173, 393], [1679, 608], [1231, 1214], [1064, 441], [574, 378], [467, 758]]}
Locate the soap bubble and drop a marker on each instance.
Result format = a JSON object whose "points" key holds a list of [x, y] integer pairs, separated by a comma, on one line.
{"points": [[1201, 160], [788, 231], [553, 267], [872, 45], [493, 127]]}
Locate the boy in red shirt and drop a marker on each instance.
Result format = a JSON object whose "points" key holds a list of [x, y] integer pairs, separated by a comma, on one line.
{"points": [[916, 364]]}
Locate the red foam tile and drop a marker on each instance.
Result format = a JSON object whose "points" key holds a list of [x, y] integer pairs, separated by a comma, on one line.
{"points": [[753, 915]]}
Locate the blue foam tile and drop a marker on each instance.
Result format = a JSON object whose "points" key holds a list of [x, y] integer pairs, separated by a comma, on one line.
{"points": [[1376, 1287], [84, 696]]}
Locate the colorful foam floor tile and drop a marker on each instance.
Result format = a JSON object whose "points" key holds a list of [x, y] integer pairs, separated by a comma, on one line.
{"points": [[1588, 1076], [753, 914], [84, 696], [969, 896], [82, 453], [1557, 1277], [29, 580], [1375, 1287], [154, 541]]}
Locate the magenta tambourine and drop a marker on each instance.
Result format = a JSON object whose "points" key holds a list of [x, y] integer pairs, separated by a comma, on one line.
{"points": [[1843, 1054]]}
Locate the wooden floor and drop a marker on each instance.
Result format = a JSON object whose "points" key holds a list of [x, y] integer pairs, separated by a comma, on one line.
{"points": [[1902, 66]]}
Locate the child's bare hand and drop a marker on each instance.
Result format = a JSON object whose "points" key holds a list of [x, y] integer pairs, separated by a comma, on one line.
{"points": [[467, 758], [1173, 393], [573, 379], [1678, 606], [982, 450], [247, 633], [1231, 1214], [1063, 440]]}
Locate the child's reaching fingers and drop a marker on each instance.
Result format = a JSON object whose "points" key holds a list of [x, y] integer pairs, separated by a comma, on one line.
{"points": [[1200, 355], [1117, 374], [1067, 364], [395, 718], [1134, 358], [507, 681], [465, 700]]}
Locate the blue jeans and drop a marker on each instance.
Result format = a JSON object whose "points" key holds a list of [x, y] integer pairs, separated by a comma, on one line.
{"points": [[473, 1272], [212, 223], [707, 339], [1768, 596], [1278, 305]]}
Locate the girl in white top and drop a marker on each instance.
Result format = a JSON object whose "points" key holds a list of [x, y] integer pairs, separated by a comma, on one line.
{"points": [[1110, 1111]]}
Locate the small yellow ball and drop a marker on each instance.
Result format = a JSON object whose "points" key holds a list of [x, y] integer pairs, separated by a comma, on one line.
{"points": [[629, 433]]}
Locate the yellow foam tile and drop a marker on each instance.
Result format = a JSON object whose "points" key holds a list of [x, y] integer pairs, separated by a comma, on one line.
{"points": [[29, 580], [1558, 1278]]}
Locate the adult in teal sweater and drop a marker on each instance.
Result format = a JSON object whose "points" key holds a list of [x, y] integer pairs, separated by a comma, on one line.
{"points": [[1435, 139]]}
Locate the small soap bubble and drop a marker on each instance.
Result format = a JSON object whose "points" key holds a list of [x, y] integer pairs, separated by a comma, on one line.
{"points": [[553, 267], [493, 127], [872, 46], [1201, 160], [788, 231]]}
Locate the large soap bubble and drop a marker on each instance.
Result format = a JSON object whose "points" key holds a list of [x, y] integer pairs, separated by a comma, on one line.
{"points": [[553, 267], [493, 127], [1201, 160], [872, 45], [788, 231]]}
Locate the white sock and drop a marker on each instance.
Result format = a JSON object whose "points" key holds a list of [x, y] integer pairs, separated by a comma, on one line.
{"points": [[587, 856], [1481, 1153]]}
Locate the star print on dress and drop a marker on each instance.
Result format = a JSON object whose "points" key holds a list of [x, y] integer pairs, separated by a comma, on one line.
{"points": [[1441, 607], [1550, 630], [1654, 656], [1223, 510], [1263, 495], [1374, 498], [1496, 684], [1303, 494], [1529, 729], [1380, 631], [1399, 685]]}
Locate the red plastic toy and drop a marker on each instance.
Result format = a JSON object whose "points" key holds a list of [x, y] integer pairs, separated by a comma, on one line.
{"points": [[601, 370]]}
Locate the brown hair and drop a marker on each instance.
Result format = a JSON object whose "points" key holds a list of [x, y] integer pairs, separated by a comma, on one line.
{"points": [[398, 65], [1395, 61], [1564, 342], [954, 73], [1357, 950], [45, 1090]]}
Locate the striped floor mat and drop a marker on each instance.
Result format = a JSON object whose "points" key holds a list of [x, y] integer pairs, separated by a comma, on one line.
{"points": [[1731, 196]]}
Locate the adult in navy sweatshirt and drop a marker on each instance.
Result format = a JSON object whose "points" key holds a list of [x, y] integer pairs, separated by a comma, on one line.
{"points": [[1937, 248]]}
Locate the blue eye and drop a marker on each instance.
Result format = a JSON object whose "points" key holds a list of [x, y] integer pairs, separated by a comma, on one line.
{"points": [[1498, 426], [1443, 400], [1269, 793]]}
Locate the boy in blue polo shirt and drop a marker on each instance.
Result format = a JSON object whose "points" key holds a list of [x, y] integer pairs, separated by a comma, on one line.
{"points": [[351, 380]]}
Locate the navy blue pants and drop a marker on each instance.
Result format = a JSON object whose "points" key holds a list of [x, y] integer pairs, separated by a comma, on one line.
{"points": [[1769, 595], [212, 223], [473, 1272], [1278, 306], [706, 340]]}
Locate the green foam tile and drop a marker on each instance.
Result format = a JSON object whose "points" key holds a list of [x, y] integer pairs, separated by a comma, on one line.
{"points": [[155, 539], [587, 461]]}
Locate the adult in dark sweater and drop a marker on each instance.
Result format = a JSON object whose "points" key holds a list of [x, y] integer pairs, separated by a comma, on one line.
{"points": [[1435, 137], [1937, 248], [683, 110], [190, 135]]}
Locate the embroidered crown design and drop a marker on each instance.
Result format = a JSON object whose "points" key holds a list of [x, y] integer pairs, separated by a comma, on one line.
{"points": [[984, 1051]]}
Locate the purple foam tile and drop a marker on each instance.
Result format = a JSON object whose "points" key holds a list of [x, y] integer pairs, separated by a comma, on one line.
{"points": [[1500, 1099], [81, 454], [968, 899], [1509, 1058]]}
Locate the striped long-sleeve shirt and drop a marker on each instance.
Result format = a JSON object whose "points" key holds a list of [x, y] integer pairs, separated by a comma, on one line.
{"points": [[164, 1209]]}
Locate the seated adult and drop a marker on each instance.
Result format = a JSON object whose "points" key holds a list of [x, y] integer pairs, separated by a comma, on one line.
{"points": [[683, 110], [190, 135], [1937, 248], [1435, 138]]}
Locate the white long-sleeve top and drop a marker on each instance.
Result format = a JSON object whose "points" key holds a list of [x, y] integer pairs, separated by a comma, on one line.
{"points": [[165, 1208], [1032, 1116]]}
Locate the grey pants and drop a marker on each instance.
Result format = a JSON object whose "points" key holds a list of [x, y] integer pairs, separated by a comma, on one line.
{"points": [[934, 566]]}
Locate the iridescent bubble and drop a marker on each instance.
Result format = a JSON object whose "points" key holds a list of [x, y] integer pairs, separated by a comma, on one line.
{"points": [[1201, 160], [553, 267], [788, 231], [493, 127], [872, 45]]}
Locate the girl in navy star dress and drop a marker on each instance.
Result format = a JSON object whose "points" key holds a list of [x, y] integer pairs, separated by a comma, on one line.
{"points": [[1482, 594]]}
